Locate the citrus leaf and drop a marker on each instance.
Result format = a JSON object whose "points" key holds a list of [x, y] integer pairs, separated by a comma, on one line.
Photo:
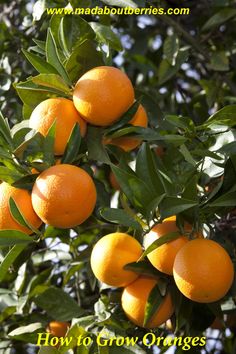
{"points": [[72, 32], [219, 18], [53, 81], [121, 3], [73, 145], [58, 304], [5, 129], [225, 200], [14, 237], [84, 57], [39, 64], [18, 217], [48, 145], [173, 205], [8, 260], [53, 57], [143, 268], [159, 242], [119, 216], [96, 149], [105, 35], [171, 48], [152, 305], [225, 116], [8, 175], [146, 170], [136, 190], [125, 118]]}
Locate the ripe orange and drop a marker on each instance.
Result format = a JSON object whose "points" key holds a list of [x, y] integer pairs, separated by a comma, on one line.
{"points": [[102, 95], [57, 328], [64, 196], [113, 181], [163, 257], [66, 116], [109, 256], [203, 271], [140, 119], [23, 200], [134, 299]]}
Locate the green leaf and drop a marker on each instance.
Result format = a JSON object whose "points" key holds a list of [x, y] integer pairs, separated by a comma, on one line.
{"points": [[48, 145], [219, 61], [134, 188], [173, 205], [187, 155], [121, 3], [119, 216], [53, 81], [228, 149], [84, 57], [28, 138], [219, 18], [148, 134], [48, 350], [31, 328], [19, 126], [73, 31], [9, 259], [159, 242], [211, 90], [105, 35], [126, 118], [73, 146], [39, 63], [14, 237], [96, 149], [147, 170], [166, 71], [32, 94], [225, 200], [180, 122], [143, 268], [53, 57], [225, 116], [152, 305], [171, 48], [19, 218], [58, 304], [5, 129], [8, 175]]}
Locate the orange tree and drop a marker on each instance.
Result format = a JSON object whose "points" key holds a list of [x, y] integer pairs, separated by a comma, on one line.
{"points": [[105, 95]]}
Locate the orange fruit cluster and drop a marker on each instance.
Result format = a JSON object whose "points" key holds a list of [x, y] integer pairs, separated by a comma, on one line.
{"points": [[109, 257], [65, 196], [192, 263]]}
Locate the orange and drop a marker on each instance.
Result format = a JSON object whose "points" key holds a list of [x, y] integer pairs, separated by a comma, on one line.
{"points": [[163, 257], [64, 113], [109, 256], [203, 271], [23, 200], [57, 328], [113, 181], [128, 143], [134, 299], [64, 196], [102, 95]]}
